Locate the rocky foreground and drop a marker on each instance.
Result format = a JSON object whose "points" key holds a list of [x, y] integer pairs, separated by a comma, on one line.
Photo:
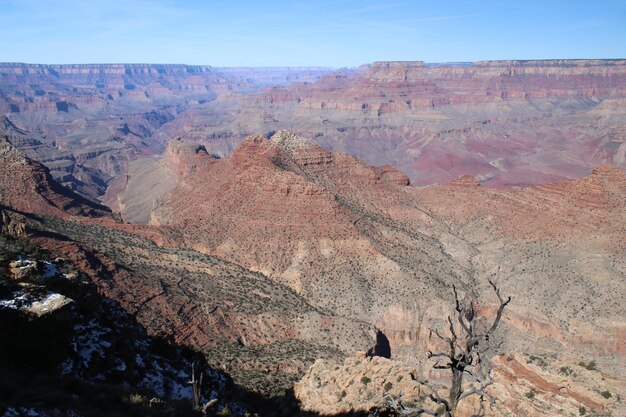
{"points": [[523, 385]]}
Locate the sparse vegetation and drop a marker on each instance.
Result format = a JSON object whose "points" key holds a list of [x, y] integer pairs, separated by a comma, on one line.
{"points": [[591, 366], [606, 394]]}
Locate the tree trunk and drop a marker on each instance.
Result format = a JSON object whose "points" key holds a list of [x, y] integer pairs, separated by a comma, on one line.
{"points": [[455, 389]]}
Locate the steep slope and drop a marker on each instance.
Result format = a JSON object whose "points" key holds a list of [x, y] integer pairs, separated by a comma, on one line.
{"points": [[80, 353], [97, 118], [27, 186], [315, 213], [184, 296], [358, 241]]}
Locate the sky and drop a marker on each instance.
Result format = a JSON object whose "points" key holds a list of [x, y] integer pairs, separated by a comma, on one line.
{"points": [[338, 33]]}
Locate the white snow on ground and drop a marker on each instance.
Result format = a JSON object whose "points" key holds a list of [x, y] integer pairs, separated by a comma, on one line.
{"points": [[24, 412], [23, 262], [89, 342], [17, 300], [67, 366], [50, 270], [121, 366], [139, 361], [23, 301], [47, 303], [11, 412]]}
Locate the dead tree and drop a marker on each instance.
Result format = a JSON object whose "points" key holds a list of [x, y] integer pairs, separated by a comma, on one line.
{"points": [[196, 385], [464, 355]]}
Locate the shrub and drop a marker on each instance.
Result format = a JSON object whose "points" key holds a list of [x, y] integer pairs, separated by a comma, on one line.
{"points": [[389, 385], [530, 394], [582, 410], [135, 399], [606, 394], [591, 366], [365, 380], [224, 412]]}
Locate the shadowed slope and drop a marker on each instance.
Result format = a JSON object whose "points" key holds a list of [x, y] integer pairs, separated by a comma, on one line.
{"points": [[27, 185]]}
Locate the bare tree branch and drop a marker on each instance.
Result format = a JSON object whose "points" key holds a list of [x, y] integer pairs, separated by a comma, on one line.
{"points": [[478, 390], [460, 311], [503, 303], [436, 398], [438, 354], [419, 411], [465, 354], [436, 332]]}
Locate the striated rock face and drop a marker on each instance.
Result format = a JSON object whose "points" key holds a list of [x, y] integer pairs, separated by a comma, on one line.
{"points": [[274, 76], [503, 122], [87, 123], [285, 251], [544, 386], [27, 186]]}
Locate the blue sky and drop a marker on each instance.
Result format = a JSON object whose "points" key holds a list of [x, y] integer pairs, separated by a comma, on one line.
{"points": [[308, 33]]}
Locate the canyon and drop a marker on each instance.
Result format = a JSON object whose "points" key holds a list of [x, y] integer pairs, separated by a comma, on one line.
{"points": [[274, 219], [503, 122]]}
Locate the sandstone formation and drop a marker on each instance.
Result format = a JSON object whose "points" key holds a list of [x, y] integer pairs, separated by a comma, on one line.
{"points": [[346, 240], [27, 186], [88, 122], [358, 383], [285, 251], [504, 122], [524, 386], [176, 293]]}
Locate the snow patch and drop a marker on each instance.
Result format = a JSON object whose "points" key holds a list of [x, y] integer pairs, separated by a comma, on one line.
{"points": [[24, 301]]}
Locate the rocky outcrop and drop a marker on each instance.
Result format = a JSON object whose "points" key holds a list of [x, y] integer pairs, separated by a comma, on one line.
{"points": [[59, 328], [358, 384], [503, 122], [530, 386], [11, 227], [27, 186], [381, 348], [464, 181], [387, 254]]}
